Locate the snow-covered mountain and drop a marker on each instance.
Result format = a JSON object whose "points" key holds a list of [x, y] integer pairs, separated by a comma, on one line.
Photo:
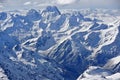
{"points": [[50, 44]]}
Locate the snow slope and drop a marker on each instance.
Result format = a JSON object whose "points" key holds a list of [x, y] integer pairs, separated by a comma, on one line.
{"points": [[59, 45]]}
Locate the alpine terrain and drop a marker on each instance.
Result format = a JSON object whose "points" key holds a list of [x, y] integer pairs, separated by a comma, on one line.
{"points": [[53, 44]]}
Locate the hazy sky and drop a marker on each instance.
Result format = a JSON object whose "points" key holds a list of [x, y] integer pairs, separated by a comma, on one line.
{"points": [[71, 4]]}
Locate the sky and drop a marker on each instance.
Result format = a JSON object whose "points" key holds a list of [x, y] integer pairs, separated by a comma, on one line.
{"points": [[63, 4]]}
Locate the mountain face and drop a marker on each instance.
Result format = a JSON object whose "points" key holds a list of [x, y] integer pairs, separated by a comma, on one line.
{"points": [[59, 45]]}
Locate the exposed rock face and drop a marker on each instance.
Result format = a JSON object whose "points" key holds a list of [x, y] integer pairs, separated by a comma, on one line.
{"points": [[54, 45]]}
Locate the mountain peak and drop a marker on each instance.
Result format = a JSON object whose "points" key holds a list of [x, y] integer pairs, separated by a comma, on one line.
{"points": [[33, 14], [52, 9]]}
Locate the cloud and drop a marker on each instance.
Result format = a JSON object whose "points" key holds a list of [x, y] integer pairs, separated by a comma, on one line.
{"points": [[2, 1], [1, 6], [98, 3], [64, 2], [27, 3], [78, 4]]}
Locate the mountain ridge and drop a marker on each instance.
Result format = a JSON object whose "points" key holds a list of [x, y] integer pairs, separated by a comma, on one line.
{"points": [[51, 45]]}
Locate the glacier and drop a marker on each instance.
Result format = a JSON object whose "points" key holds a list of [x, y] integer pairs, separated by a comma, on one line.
{"points": [[53, 44]]}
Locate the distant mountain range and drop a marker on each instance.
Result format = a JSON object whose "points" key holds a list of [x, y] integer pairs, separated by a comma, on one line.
{"points": [[60, 45]]}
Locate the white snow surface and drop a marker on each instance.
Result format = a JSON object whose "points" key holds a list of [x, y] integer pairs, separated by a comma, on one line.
{"points": [[50, 44]]}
